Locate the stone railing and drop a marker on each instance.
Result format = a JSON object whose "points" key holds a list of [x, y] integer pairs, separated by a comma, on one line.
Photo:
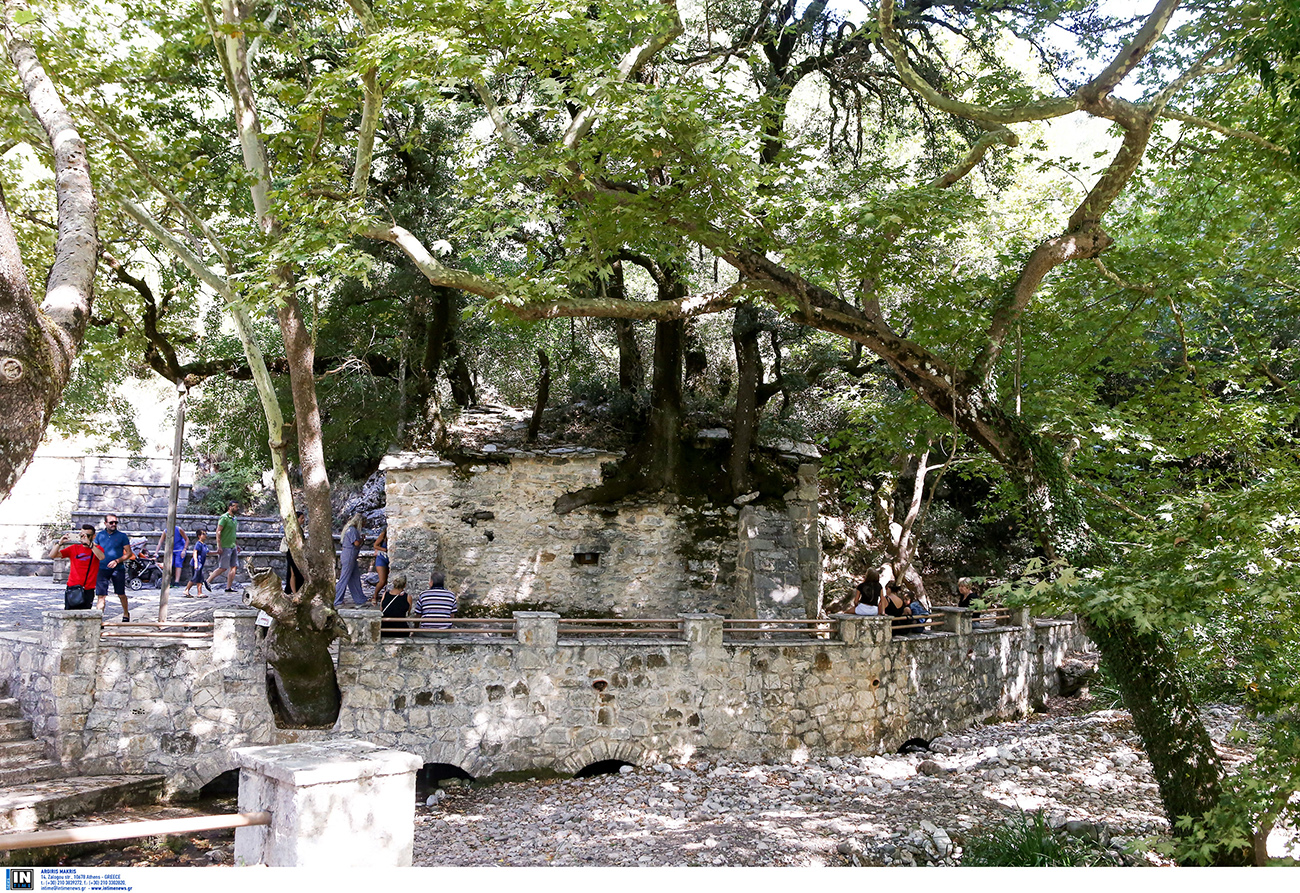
{"points": [[533, 699]]}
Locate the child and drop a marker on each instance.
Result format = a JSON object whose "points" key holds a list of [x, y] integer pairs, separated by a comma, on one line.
{"points": [[200, 556]]}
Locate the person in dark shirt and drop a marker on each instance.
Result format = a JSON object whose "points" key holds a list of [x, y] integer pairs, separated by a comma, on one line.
{"points": [[117, 549], [396, 604], [199, 572]]}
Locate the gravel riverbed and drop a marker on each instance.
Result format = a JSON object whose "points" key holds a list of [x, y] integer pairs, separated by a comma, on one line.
{"points": [[1086, 768], [1076, 765]]}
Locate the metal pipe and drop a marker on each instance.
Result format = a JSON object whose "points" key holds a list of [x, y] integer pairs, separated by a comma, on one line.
{"points": [[95, 833]]}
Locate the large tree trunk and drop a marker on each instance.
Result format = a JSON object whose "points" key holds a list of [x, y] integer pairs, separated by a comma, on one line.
{"points": [[745, 330], [664, 435], [301, 685], [1186, 766], [300, 673], [655, 462], [38, 345], [631, 368]]}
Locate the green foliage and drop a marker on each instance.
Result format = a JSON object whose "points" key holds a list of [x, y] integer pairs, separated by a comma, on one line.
{"points": [[233, 484], [1026, 842]]}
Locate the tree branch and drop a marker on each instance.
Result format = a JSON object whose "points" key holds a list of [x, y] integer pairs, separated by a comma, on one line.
{"points": [[632, 62], [1040, 110], [247, 123], [175, 201], [498, 119], [424, 261], [372, 101], [70, 285], [975, 156], [616, 308], [1128, 58], [1175, 115]]}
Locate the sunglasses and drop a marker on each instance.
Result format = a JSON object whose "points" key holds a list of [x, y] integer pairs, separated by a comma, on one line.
{"points": [[111, 523]]}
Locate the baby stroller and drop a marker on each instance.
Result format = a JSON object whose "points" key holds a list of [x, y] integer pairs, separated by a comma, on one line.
{"points": [[142, 570]]}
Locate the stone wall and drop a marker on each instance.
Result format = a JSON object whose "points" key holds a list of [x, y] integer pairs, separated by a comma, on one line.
{"points": [[529, 701], [779, 564], [45, 495], [54, 487], [491, 528]]}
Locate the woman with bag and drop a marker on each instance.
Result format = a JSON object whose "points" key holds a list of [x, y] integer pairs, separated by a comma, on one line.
{"points": [[83, 568]]}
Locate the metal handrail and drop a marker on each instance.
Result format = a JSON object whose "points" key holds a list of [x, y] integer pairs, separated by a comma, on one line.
{"points": [[156, 635], [459, 625], [620, 626], [729, 621], [95, 833], [204, 624], [912, 623], [612, 620], [157, 629]]}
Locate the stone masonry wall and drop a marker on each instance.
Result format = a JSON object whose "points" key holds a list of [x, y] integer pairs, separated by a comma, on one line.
{"points": [[531, 701], [492, 529], [778, 566]]}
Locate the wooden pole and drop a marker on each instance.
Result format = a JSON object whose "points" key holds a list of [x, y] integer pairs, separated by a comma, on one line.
{"points": [[173, 495], [93, 833]]}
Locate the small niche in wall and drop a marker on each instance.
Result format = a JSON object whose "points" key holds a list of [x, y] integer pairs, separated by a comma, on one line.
{"points": [[586, 558]]}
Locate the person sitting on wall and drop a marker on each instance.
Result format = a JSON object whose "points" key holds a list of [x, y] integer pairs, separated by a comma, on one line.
{"points": [[905, 614], [870, 595], [395, 605], [965, 594], [436, 602]]}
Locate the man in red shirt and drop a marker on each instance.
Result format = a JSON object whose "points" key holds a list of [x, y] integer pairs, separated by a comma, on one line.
{"points": [[83, 558]]}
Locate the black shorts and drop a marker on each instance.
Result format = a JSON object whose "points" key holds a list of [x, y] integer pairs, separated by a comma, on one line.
{"points": [[116, 574]]}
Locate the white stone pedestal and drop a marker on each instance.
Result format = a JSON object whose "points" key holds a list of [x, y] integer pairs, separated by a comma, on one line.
{"points": [[338, 803]]}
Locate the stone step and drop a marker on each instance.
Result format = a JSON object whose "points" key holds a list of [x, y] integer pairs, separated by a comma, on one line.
{"points": [[131, 521], [26, 567], [23, 807], [32, 772], [10, 708], [14, 754], [15, 730]]}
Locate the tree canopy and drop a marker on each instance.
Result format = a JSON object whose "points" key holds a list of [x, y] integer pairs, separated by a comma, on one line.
{"points": [[1054, 244]]}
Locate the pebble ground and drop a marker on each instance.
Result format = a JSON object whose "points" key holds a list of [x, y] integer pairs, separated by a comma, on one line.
{"points": [[1073, 764]]}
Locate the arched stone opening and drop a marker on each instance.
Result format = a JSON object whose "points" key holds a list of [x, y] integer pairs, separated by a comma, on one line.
{"points": [[598, 752], [223, 785], [432, 775], [601, 767]]}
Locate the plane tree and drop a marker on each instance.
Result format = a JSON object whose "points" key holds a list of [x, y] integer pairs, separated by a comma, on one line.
{"points": [[614, 154], [39, 342], [625, 130]]}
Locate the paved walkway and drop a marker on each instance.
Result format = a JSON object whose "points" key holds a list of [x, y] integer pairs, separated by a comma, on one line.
{"points": [[22, 599]]}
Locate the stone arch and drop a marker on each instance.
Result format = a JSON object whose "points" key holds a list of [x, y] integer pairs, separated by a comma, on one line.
{"points": [[598, 751], [208, 766], [470, 761]]}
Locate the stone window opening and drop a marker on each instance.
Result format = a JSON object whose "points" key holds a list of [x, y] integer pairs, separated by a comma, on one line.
{"points": [[586, 558], [601, 767]]}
